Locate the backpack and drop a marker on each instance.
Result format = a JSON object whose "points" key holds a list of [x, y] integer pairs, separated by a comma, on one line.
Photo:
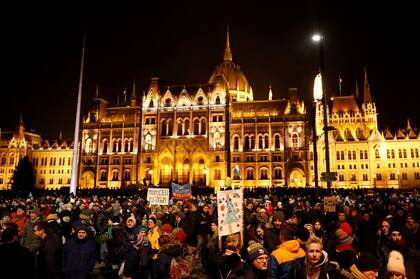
{"points": [[180, 268]]}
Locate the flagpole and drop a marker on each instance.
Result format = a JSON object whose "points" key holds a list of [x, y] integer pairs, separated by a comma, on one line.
{"points": [[73, 182]]}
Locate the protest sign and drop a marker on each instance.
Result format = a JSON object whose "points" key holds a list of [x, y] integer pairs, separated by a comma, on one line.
{"points": [[181, 192], [158, 196]]}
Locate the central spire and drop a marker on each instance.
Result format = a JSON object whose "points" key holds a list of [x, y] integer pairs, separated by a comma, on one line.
{"points": [[367, 95], [228, 54]]}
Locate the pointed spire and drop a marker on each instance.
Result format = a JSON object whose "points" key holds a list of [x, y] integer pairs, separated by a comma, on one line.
{"points": [[270, 94], [97, 91], [340, 81], [133, 101], [133, 93], [228, 54], [21, 120], [367, 96], [357, 91], [408, 124], [60, 137]]}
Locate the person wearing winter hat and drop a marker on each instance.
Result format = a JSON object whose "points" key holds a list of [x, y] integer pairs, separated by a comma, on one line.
{"points": [[366, 265], [258, 257], [271, 236], [395, 266], [79, 255], [166, 229], [344, 241], [179, 234]]}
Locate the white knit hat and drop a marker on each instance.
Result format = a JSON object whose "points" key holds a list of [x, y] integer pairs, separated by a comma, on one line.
{"points": [[396, 262]]}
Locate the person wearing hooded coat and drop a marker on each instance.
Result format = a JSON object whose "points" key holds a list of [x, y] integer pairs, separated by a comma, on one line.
{"points": [[79, 255]]}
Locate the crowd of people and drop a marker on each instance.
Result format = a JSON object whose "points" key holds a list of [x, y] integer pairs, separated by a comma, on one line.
{"points": [[287, 233]]}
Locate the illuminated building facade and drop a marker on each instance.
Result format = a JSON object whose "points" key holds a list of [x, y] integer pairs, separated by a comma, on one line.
{"points": [[194, 134], [361, 155], [52, 162]]}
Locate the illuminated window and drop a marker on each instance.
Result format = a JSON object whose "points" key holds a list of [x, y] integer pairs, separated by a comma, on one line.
{"points": [[250, 174], [295, 141], [217, 174]]}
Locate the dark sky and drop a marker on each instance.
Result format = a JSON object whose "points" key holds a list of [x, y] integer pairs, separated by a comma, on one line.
{"points": [[183, 41]]}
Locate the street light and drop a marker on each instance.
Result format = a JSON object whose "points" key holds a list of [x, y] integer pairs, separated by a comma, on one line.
{"points": [[318, 38]]}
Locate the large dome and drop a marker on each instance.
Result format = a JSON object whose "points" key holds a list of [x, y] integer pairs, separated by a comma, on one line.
{"points": [[239, 88]]}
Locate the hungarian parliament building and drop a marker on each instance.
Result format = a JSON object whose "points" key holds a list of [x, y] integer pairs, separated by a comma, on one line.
{"points": [[209, 133]]}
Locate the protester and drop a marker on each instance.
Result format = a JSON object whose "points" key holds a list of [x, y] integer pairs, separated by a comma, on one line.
{"points": [[16, 261], [281, 260], [258, 257], [49, 258], [79, 254]]}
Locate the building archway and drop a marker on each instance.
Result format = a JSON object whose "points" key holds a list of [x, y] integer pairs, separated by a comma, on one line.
{"points": [[296, 178], [88, 180]]}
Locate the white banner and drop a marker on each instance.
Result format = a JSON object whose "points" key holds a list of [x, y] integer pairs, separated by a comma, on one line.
{"points": [[158, 196], [230, 211]]}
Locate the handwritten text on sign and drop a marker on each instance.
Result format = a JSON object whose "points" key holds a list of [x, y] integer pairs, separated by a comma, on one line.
{"points": [[158, 196]]}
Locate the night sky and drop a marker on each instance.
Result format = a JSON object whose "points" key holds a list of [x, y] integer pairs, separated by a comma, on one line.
{"points": [[183, 43]]}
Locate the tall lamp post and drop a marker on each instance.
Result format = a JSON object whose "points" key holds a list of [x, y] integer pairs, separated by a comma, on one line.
{"points": [[317, 38], [317, 98]]}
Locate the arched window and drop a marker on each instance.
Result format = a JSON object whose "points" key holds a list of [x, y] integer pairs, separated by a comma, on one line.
{"points": [[266, 145], [115, 175], [250, 174], [263, 174], [203, 127], [186, 127], [131, 145], [12, 159], [252, 142], [399, 153], [277, 173], [196, 127], [126, 145], [342, 155], [179, 127], [246, 143], [295, 141], [260, 142], [217, 100], [164, 128], [104, 175], [338, 155], [114, 146], [393, 153], [127, 175], [354, 154], [366, 154], [377, 154], [105, 147], [349, 155], [119, 145], [151, 104], [217, 174], [170, 127], [236, 143], [3, 160], [277, 142]]}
